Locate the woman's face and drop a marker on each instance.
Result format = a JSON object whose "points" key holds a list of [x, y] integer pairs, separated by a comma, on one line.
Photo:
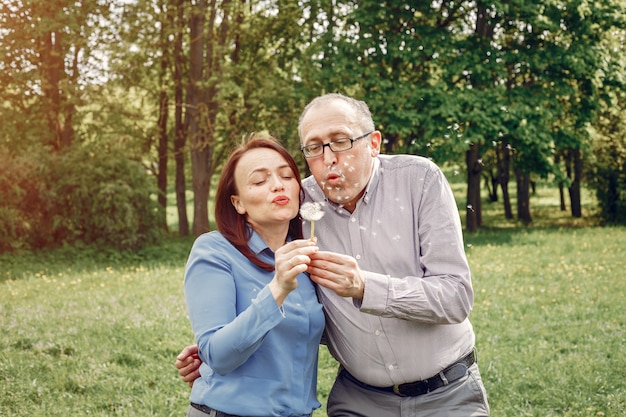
{"points": [[268, 191]]}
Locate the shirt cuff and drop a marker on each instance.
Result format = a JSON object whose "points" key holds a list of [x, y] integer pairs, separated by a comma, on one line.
{"points": [[266, 304], [375, 293]]}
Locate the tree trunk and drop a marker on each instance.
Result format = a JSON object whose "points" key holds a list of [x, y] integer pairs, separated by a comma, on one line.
{"points": [[504, 167], [523, 196], [491, 182], [574, 189], [179, 127], [52, 68], [193, 116], [473, 207], [557, 162], [562, 196], [162, 122], [69, 108], [163, 152]]}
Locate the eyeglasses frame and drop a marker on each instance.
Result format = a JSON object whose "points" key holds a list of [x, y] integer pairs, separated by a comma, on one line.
{"points": [[329, 144]]}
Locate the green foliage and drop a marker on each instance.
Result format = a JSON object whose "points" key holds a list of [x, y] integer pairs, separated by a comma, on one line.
{"points": [[21, 203], [438, 77], [606, 165], [79, 196], [607, 175]]}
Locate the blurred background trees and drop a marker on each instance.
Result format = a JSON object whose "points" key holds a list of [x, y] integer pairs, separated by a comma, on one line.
{"points": [[109, 106]]}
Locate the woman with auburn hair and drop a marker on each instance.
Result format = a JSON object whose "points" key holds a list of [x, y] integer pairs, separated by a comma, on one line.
{"points": [[253, 310]]}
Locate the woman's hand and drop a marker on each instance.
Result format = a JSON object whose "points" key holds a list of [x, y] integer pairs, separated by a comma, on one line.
{"points": [[291, 259]]}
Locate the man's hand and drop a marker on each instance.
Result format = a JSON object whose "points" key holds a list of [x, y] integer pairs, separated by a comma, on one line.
{"points": [[188, 364], [340, 273]]}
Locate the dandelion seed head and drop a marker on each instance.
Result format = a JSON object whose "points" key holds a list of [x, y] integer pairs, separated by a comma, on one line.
{"points": [[311, 211]]}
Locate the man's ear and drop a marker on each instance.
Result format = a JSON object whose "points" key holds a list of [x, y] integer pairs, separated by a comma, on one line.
{"points": [[375, 141], [236, 202]]}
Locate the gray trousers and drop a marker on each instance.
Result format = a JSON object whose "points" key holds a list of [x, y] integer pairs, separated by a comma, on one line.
{"points": [[464, 397]]}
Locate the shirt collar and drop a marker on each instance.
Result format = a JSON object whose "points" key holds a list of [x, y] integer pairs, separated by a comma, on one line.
{"points": [[372, 184], [257, 244]]}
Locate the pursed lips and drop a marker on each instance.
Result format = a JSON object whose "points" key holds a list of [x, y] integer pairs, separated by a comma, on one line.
{"points": [[334, 177], [281, 200]]}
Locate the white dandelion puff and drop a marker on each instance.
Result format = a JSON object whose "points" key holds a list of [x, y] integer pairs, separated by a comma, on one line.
{"points": [[312, 212]]}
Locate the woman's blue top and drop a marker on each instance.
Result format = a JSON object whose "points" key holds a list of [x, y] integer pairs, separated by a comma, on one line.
{"points": [[258, 359]]}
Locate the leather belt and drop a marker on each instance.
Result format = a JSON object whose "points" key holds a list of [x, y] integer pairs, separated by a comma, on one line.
{"points": [[412, 389], [210, 411]]}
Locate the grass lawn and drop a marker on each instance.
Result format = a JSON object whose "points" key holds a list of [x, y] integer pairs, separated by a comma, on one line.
{"points": [[88, 332]]}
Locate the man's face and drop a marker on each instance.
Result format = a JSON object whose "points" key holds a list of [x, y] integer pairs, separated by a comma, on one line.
{"points": [[342, 176]]}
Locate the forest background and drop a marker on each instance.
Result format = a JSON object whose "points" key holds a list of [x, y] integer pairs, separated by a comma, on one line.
{"points": [[107, 104], [115, 118]]}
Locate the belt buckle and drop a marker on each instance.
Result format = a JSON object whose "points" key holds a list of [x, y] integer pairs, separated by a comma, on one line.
{"points": [[396, 390]]}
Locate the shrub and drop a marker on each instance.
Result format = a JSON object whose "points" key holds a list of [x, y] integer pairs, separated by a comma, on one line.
{"points": [[20, 204], [78, 196]]}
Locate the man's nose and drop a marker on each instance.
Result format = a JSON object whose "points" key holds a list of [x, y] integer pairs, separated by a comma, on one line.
{"points": [[329, 156]]}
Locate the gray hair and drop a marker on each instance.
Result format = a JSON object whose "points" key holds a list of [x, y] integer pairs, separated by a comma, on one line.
{"points": [[361, 110]]}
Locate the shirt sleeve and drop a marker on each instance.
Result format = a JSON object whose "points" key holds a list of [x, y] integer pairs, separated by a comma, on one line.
{"points": [[225, 339], [440, 292]]}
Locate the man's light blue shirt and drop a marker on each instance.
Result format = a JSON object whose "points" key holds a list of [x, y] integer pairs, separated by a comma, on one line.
{"points": [[258, 359]]}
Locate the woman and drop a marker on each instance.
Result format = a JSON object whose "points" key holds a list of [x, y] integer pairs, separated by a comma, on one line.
{"points": [[253, 310]]}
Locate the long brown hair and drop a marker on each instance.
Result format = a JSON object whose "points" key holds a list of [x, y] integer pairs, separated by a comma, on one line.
{"points": [[232, 225]]}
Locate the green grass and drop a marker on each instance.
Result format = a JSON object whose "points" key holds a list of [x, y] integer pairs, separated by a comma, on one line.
{"points": [[88, 332], [549, 320]]}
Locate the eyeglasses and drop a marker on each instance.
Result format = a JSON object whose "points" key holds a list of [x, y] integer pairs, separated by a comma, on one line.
{"points": [[337, 145]]}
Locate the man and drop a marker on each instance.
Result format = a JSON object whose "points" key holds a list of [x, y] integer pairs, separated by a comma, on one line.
{"points": [[391, 273]]}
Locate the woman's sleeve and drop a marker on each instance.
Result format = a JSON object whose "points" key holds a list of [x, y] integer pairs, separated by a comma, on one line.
{"points": [[225, 340]]}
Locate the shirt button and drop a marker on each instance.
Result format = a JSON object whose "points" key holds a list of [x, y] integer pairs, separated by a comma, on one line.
{"points": [[353, 219], [391, 367], [358, 257], [377, 332]]}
